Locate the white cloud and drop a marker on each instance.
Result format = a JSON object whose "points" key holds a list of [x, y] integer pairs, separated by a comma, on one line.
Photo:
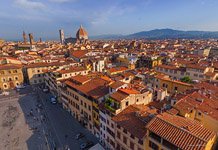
{"points": [[61, 1], [26, 4]]}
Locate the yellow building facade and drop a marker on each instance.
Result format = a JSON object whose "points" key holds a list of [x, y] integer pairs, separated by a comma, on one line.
{"points": [[11, 75], [172, 86]]}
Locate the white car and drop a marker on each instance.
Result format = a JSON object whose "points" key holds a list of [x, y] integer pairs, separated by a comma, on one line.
{"points": [[20, 86], [5, 93], [45, 90], [53, 100]]}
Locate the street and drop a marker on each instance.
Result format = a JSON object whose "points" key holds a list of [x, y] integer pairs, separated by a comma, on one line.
{"points": [[63, 125], [37, 124]]}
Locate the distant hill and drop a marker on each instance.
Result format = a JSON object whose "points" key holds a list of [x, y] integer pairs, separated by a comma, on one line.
{"points": [[164, 34], [172, 34]]}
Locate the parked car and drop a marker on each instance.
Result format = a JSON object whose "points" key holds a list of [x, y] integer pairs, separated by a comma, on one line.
{"points": [[20, 86], [53, 100], [5, 93], [79, 136], [45, 90], [86, 145]]}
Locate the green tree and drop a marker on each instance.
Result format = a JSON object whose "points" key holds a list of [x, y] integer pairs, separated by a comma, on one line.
{"points": [[186, 79]]}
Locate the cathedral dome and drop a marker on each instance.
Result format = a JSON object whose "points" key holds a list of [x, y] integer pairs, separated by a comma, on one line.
{"points": [[82, 34]]}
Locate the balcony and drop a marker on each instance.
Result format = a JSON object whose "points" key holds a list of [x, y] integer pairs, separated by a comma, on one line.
{"points": [[112, 105]]}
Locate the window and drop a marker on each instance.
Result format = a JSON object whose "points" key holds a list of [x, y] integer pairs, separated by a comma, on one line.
{"points": [[89, 107], [132, 136], [127, 103], [131, 145], [140, 142], [118, 134], [176, 88], [118, 147], [201, 76], [199, 113], [169, 145], [118, 126], [155, 136], [9, 79], [124, 140], [153, 145], [38, 70], [125, 131], [16, 78]]}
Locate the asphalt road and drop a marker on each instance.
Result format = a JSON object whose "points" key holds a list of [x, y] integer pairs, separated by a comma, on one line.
{"points": [[63, 126]]}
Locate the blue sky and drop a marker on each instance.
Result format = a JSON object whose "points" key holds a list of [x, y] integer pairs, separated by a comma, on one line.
{"points": [[44, 18]]}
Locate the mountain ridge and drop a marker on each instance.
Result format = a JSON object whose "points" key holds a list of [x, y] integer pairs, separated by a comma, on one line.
{"points": [[166, 33]]}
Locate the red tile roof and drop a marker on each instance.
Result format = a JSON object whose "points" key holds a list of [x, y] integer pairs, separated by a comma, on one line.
{"points": [[129, 91], [134, 119], [95, 88], [182, 132], [200, 102], [10, 66], [116, 84], [119, 96], [79, 53]]}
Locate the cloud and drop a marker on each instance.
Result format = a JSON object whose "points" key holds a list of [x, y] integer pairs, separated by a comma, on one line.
{"points": [[102, 16], [61, 1], [26, 4]]}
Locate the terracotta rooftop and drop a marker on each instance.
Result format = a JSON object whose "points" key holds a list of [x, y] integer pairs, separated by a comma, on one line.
{"points": [[81, 79], [129, 91], [79, 53], [10, 66], [180, 131], [200, 102], [134, 119], [116, 84], [119, 96], [44, 64], [71, 69], [117, 69], [95, 88]]}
